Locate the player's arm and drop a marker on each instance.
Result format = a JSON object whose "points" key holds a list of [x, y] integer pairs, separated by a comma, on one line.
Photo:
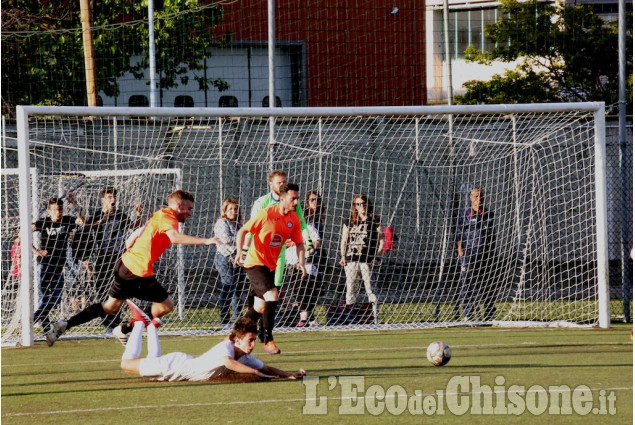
{"points": [[278, 373], [253, 225], [240, 239], [239, 367], [260, 204], [183, 239], [343, 244]]}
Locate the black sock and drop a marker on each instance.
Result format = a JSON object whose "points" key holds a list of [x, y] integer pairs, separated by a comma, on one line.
{"points": [[268, 319], [253, 314], [86, 315]]}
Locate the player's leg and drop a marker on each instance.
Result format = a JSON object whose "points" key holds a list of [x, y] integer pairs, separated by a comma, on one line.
{"points": [[102, 276], [91, 312], [160, 309], [268, 305], [154, 346], [265, 302], [130, 358], [119, 291]]}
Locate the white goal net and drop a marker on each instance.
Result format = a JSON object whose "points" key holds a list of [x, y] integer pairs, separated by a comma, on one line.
{"points": [[534, 247]]}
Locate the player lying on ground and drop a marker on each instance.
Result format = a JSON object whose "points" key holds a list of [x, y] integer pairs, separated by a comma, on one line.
{"points": [[228, 360]]}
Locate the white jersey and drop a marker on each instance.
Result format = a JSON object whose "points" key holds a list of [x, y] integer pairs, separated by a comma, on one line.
{"points": [[183, 367], [291, 256]]}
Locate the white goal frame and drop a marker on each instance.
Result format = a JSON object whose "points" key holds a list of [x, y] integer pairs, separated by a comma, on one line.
{"points": [[24, 112]]}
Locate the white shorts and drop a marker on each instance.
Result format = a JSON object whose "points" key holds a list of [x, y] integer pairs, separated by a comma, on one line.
{"points": [[164, 367]]}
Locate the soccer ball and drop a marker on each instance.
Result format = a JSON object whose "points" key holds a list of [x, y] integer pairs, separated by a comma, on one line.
{"points": [[439, 353]]}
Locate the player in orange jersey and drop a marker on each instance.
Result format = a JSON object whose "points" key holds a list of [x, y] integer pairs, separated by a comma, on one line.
{"points": [[270, 228], [133, 273]]}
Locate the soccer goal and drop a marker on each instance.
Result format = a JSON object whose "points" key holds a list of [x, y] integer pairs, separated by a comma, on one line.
{"points": [[540, 168]]}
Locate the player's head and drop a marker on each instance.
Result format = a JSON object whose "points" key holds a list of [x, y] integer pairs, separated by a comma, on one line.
{"points": [[231, 210], [108, 197], [362, 205], [477, 196], [181, 203], [276, 179], [289, 196], [244, 334], [55, 209]]}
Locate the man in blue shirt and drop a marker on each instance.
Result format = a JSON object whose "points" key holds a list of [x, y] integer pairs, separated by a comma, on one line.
{"points": [[475, 243]]}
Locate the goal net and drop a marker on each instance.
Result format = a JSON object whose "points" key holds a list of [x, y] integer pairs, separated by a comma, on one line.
{"points": [[533, 249]]}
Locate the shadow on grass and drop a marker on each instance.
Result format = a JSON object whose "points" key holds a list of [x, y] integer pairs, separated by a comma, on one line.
{"points": [[136, 383]]}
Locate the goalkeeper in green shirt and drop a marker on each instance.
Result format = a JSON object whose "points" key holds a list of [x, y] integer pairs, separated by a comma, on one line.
{"points": [[276, 179]]}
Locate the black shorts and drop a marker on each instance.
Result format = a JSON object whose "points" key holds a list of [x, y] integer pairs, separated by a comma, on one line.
{"points": [[128, 285], [261, 279]]}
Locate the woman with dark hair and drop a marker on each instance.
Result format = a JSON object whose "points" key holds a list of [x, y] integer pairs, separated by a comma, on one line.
{"points": [[361, 245], [225, 230]]}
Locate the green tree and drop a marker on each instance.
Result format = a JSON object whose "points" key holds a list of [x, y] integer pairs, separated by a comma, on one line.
{"points": [[42, 53], [567, 53]]}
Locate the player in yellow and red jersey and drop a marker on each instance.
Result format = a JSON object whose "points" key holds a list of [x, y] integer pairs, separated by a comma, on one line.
{"points": [[134, 274]]}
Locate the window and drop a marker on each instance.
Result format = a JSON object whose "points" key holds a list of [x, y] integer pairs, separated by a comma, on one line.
{"points": [[138, 100], [228, 102], [265, 102], [183, 102], [467, 28]]}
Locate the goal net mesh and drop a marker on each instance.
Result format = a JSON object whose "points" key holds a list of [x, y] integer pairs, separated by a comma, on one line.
{"points": [[536, 171]]}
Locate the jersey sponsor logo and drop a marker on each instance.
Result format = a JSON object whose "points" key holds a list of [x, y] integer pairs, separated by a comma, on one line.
{"points": [[276, 240]]}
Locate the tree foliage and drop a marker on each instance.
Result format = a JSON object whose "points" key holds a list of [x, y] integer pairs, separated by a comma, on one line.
{"points": [[567, 53], [43, 58]]}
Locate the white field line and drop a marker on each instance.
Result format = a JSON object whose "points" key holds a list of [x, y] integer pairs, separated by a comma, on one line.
{"points": [[247, 402]]}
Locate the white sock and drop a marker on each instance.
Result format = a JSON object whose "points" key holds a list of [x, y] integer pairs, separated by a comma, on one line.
{"points": [[154, 346], [133, 346]]}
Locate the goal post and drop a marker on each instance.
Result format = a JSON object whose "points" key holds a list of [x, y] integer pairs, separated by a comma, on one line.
{"points": [[541, 166]]}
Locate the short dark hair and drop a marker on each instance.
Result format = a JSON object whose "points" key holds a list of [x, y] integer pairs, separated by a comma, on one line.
{"points": [[106, 190], [243, 326], [56, 201], [285, 187], [181, 195]]}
